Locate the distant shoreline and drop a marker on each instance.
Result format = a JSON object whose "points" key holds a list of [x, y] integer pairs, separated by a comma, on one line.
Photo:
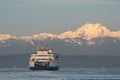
{"points": [[66, 61]]}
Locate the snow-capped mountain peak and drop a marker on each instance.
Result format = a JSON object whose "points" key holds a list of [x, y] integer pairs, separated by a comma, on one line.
{"points": [[90, 31], [39, 36], [89, 38], [87, 31], [6, 37]]}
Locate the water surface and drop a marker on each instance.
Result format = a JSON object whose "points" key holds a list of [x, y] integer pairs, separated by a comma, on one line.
{"points": [[62, 74]]}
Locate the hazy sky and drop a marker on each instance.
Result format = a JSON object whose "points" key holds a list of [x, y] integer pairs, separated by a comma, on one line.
{"points": [[27, 17]]}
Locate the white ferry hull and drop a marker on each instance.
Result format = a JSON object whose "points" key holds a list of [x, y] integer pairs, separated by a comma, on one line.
{"points": [[44, 66]]}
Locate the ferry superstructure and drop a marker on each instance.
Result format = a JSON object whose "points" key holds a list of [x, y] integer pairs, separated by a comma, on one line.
{"points": [[44, 59]]}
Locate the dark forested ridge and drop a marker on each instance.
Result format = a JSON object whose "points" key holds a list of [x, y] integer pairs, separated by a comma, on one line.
{"points": [[66, 61]]}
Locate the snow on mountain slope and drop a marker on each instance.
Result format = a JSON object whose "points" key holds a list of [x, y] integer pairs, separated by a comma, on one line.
{"points": [[90, 39], [6, 37], [38, 36], [90, 31], [87, 32]]}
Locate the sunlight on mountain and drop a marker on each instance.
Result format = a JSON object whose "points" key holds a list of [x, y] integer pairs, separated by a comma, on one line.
{"points": [[6, 36], [87, 32]]}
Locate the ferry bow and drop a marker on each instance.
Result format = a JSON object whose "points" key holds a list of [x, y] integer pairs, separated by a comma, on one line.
{"points": [[44, 59]]}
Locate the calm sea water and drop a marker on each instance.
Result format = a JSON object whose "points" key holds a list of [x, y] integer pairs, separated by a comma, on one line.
{"points": [[62, 74]]}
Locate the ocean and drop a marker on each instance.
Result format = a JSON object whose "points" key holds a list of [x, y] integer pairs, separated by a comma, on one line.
{"points": [[62, 74]]}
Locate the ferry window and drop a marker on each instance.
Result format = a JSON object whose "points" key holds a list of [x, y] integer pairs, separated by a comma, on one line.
{"points": [[42, 59], [50, 51]]}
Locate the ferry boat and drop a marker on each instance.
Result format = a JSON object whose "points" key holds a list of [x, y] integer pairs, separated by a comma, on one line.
{"points": [[44, 59]]}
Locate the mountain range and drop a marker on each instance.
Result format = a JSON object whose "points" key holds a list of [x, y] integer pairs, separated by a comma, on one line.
{"points": [[89, 39]]}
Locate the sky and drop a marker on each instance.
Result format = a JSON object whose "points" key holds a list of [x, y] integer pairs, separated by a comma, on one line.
{"points": [[28, 17]]}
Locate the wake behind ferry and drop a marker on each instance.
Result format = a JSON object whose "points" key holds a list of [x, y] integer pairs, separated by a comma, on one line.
{"points": [[44, 59]]}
